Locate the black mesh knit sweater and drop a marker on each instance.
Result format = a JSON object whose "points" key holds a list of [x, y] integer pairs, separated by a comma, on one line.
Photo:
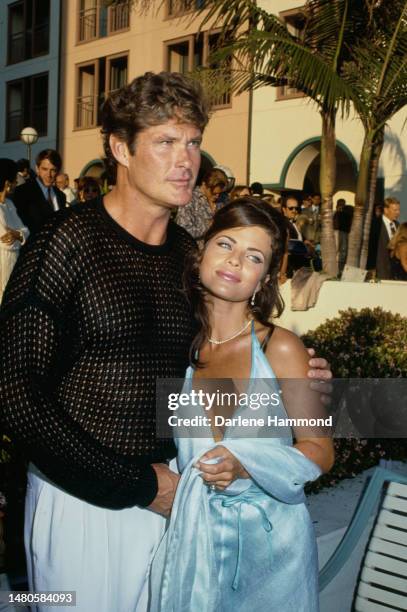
{"points": [[91, 317]]}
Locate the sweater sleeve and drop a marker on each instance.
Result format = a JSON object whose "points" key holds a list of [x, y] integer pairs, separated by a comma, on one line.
{"points": [[33, 323]]}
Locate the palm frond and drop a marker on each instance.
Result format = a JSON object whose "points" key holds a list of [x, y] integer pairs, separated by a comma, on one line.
{"points": [[279, 55]]}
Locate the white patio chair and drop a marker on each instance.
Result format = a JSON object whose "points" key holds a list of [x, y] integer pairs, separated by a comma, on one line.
{"points": [[382, 581]]}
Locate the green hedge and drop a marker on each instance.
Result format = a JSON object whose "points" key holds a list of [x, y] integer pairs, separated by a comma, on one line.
{"points": [[369, 343]]}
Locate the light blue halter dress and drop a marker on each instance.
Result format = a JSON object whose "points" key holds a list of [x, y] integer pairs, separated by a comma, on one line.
{"points": [[251, 547]]}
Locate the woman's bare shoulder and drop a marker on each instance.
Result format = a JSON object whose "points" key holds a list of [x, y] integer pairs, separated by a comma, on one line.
{"points": [[286, 353], [285, 340]]}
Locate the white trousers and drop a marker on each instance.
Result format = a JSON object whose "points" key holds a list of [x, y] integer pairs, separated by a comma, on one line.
{"points": [[103, 555]]}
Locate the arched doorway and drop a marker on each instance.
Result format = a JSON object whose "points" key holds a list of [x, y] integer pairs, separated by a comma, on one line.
{"points": [[301, 170], [97, 170], [94, 168]]}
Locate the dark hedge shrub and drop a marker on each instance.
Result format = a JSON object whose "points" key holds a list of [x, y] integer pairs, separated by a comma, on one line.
{"points": [[369, 343]]}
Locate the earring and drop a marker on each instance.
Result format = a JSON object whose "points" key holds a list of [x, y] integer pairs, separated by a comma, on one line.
{"points": [[253, 299]]}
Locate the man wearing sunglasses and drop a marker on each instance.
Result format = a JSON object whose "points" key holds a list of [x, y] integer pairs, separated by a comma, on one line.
{"points": [[298, 252], [290, 209]]}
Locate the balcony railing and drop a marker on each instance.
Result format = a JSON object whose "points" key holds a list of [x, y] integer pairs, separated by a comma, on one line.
{"points": [[85, 112], [98, 21], [88, 24], [222, 100], [119, 17]]}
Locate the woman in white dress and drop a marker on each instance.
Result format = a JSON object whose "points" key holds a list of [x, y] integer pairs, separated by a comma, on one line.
{"points": [[12, 231]]}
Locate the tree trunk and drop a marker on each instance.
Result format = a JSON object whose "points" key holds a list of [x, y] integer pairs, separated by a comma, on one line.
{"points": [[361, 200], [374, 169], [327, 179]]}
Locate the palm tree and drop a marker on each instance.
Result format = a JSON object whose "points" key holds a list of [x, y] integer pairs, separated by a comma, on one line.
{"points": [[349, 51], [377, 73], [268, 54]]}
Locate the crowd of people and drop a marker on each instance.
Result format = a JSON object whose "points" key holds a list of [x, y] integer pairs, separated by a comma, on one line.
{"points": [[30, 198], [386, 258]]}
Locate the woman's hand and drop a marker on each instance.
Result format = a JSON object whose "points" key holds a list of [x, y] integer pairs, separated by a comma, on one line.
{"points": [[223, 473], [10, 236]]}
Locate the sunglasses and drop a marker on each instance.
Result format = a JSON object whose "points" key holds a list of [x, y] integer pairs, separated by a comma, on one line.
{"points": [[292, 207]]}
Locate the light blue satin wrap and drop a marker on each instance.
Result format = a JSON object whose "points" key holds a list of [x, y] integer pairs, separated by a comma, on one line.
{"points": [[251, 547]]}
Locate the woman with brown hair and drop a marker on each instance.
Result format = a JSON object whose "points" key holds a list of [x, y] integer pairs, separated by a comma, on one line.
{"points": [[245, 541], [398, 254]]}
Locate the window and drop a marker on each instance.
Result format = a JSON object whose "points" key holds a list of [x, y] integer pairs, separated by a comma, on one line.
{"points": [[116, 74], [97, 20], [85, 102], [224, 99], [89, 20], [295, 21], [27, 104], [118, 17], [176, 8], [95, 80], [28, 29], [186, 54]]}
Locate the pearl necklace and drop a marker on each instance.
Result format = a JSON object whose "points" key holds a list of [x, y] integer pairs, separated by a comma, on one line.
{"points": [[212, 341]]}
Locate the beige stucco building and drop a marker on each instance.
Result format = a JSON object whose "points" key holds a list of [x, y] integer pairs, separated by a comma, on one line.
{"points": [[272, 136], [104, 48]]}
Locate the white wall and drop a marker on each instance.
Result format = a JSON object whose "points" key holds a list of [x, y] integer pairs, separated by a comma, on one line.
{"points": [[337, 295]]}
